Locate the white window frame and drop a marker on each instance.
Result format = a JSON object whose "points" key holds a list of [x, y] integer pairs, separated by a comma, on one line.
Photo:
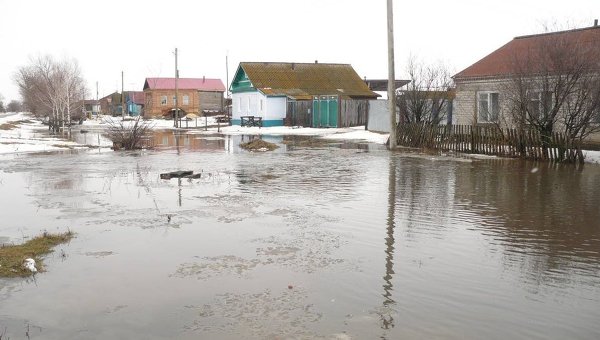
{"points": [[489, 115], [164, 101], [185, 100]]}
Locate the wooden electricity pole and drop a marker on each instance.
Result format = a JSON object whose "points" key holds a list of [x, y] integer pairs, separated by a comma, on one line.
{"points": [[122, 98], [176, 92], [391, 75]]}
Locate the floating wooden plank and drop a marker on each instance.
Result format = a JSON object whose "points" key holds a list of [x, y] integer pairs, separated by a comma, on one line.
{"points": [[176, 174]]}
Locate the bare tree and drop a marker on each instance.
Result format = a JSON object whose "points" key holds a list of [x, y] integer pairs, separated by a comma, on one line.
{"points": [[2, 109], [51, 88], [14, 106], [427, 95], [555, 85]]}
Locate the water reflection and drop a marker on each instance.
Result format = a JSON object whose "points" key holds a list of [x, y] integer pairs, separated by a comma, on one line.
{"points": [[387, 318], [372, 244], [545, 220]]}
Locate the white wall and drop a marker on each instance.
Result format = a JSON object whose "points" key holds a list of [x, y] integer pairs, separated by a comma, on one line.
{"points": [[276, 108], [273, 108], [253, 109], [379, 116]]}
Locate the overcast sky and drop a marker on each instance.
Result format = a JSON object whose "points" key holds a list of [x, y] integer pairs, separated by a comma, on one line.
{"points": [[139, 37]]}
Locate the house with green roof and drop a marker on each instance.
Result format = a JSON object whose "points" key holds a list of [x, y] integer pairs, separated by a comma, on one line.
{"points": [[304, 94]]}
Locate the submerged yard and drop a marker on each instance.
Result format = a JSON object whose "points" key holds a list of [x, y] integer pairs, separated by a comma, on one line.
{"points": [[12, 256], [317, 239]]}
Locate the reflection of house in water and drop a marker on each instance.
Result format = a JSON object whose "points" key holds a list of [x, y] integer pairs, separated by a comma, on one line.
{"points": [[547, 217], [186, 141]]}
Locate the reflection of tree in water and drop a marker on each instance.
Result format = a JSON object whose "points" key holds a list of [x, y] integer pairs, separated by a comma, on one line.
{"points": [[546, 219], [425, 195]]}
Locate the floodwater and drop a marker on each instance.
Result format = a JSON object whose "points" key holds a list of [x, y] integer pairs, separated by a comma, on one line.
{"points": [[316, 240]]}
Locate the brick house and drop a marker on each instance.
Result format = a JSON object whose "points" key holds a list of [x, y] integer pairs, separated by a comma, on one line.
{"points": [[483, 90], [196, 95]]}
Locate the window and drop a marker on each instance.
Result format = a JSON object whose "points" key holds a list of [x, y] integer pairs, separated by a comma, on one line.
{"points": [[261, 105], [186, 100], [540, 104], [174, 100], [248, 104], [488, 106], [163, 100]]}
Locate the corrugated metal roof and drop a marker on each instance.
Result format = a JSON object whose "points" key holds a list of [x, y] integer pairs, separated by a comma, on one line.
{"points": [[381, 84], [530, 49], [304, 80], [205, 84]]}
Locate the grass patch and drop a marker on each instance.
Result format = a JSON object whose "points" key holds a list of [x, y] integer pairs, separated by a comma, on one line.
{"points": [[7, 126], [301, 141], [258, 145], [25, 121], [12, 257]]}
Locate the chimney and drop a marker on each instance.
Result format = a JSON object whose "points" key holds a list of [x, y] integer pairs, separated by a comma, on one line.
{"points": [[203, 79], [595, 22]]}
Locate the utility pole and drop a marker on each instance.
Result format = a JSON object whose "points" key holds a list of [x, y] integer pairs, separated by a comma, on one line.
{"points": [[391, 75], [176, 118], [122, 98], [227, 84], [97, 103]]}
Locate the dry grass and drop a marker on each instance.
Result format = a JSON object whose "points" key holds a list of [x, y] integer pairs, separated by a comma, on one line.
{"points": [[258, 145], [7, 126], [15, 124], [302, 141], [12, 257]]}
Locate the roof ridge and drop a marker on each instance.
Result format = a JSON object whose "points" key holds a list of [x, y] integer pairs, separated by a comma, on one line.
{"points": [[556, 32], [290, 62]]}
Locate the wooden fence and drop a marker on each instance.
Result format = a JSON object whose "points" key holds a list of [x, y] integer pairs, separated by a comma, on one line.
{"points": [[490, 140]]}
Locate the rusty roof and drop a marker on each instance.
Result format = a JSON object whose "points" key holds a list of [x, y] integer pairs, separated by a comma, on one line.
{"points": [[304, 80], [530, 49]]}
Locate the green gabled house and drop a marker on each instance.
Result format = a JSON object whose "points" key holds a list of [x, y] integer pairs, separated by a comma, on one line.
{"points": [[304, 94]]}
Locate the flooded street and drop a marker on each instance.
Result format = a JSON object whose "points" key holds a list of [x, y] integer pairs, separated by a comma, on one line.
{"points": [[315, 240]]}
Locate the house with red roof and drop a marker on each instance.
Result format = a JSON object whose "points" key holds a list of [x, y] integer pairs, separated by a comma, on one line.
{"points": [[200, 96], [486, 90]]}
